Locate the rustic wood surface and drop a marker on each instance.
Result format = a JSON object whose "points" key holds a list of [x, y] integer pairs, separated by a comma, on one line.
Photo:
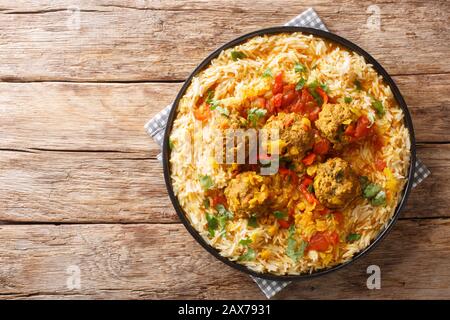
{"points": [[80, 186]]}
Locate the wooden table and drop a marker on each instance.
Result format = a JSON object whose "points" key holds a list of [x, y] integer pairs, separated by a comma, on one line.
{"points": [[82, 195]]}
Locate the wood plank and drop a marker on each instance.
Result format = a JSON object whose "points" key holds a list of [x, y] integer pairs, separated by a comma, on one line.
{"points": [[141, 40], [91, 116], [87, 187], [163, 261]]}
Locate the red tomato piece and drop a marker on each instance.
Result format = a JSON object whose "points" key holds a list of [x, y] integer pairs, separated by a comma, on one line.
{"points": [[277, 100], [323, 94], [219, 199], [321, 147], [309, 159], [362, 127], [202, 113], [380, 164], [284, 224], [288, 98], [339, 217], [318, 242]]}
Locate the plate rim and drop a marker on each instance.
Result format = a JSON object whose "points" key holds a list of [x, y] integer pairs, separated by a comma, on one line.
{"points": [[369, 60]]}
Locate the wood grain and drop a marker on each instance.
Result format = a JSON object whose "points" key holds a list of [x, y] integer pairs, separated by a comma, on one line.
{"points": [[110, 117], [157, 40], [163, 261], [80, 185], [109, 187]]}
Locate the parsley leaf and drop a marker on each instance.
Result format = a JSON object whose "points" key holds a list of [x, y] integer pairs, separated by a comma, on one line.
{"points": [[279, 214], [236, 55], [224, 212], [295, 250], [298, 67], [171, 145], [254, 114], [353, 237], [206, 203], [223, 111], [206, 182], [325, 88], [267, 73], [358, 84], [348, 99], [371, 190], [364, 181], [300, 84], [213, 223], [252, 222], [245, 242], [378, 107], [248, 256], [379, 199]]}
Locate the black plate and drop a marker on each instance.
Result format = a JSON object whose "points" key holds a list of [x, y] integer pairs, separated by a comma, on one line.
{"points": [[322, 34]]}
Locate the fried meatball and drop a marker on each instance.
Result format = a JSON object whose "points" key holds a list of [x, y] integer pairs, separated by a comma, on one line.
{"points": [[295, 133], [229, 153], [248, 194], [331, 121], [335, 183]]}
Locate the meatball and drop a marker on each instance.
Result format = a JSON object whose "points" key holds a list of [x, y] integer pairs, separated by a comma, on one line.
{"points": [[227, 154], [248, 194], [335, 183], [295, 133], [332, 119]]}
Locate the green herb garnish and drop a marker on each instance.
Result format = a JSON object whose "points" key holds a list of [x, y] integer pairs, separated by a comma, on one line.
{"points": [[371, 190], [353, 237], [357, 84], [249, 255], [252, 221], [298, 67], [245, 242], [325, 88], [224, 212], [254, 114], [213, 223], [310, 188], [267, 73], [171, 145], [295, 250], [348, 99], [236, 55], [206, 203], [279, 214], [364, 181], [206, 182], [300, 84], [378, 107], [379, 199]]}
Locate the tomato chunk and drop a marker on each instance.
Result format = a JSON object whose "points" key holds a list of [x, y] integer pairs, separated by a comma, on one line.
{"points": [[321, 147], [277, 100], [322, 240], [380, 164], [318, 242], [362, 127], [278, 85], [309, 159]]}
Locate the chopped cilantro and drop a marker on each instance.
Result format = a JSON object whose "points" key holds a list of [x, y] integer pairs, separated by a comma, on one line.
{"points": [[206, 182], [353, 237], [236, 55]]}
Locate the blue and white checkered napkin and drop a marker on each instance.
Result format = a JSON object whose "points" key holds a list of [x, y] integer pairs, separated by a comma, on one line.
{"points": [[156, 126]]}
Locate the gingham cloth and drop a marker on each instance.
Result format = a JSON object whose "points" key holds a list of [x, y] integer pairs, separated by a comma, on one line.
{"points": [[156, 126]]}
